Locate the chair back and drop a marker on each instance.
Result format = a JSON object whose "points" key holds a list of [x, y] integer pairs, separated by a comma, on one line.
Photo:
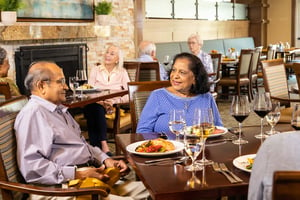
{"points": [[216, 61], [255, 61], [9, 170], [286, 185], [133, 69], [275, 79], [271, 52], [296, 69], [138, 95], [4, 91], [244, 68], [149, 71]]}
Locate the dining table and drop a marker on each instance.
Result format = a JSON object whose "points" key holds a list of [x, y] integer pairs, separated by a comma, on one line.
{"points": [[170, 181], [93, 96]]}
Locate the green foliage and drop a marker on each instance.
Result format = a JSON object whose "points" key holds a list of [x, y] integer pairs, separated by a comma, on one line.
{"points": [[10, 5], [103, 8]]}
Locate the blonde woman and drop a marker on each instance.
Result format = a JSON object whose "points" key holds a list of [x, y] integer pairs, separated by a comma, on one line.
{"points": [[108, 75]]}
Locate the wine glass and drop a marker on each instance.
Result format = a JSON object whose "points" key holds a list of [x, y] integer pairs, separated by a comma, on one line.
{"points": [[177, 122], [240, 109], [193, 182], [207, 128], [166, 60], [73, 84], [295, 122], [273, 117], [262, 106], [81, 79], [193, 145]]}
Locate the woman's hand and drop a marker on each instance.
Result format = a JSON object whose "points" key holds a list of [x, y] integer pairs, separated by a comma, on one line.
{"points": [[90, 172], [108, 105], [120, 164]]}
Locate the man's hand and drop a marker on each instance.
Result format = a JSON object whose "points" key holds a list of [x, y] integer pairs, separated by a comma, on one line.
{"points": [[124, 170], [83, 173]]}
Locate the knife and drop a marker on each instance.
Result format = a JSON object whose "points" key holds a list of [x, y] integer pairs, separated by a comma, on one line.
{"points": [[162, 159]]}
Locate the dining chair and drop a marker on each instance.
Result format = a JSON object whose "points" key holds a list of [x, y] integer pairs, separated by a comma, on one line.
{"points": [[286, 185], [275, 82], [138, 95], [271, 52], [296, 69], [133, 69], [255, 61], [12, 184], [4, 91], [216, 75], [240, 78], [149, 71]]}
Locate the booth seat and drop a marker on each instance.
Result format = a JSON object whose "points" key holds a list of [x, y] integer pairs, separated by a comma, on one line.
{"points": [[221, 45]]}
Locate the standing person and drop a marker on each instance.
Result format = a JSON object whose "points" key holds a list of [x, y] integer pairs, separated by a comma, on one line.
{"points": [[195, 44], [147, 53], [189, 90], [4, 67], [109, 75], [278, 152], [50, 147]]}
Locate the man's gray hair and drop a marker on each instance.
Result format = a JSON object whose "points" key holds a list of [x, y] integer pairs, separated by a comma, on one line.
{"points": [[197, 37], [146, 48], [41, 73], [3, 55]]}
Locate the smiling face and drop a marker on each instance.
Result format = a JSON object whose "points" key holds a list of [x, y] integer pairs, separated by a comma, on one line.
{"points": [[181, 77], [111, 57]]}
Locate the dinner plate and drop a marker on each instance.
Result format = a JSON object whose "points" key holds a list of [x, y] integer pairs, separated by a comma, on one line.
{"points": [[223, 129], [131, 149], [242, 161]]}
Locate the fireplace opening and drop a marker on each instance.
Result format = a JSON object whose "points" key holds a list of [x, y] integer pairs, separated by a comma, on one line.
{"points": [[69, 57]]}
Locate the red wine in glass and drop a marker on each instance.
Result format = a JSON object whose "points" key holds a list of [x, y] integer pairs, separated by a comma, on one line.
{"points": [[296, 127], [81, 82], [240, 118], [262, 113]]}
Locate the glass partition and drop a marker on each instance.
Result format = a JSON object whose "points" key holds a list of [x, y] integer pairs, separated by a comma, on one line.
{"points": [[225, 11], [240, 11], [158, 9], [207, 10], [185, 9]]}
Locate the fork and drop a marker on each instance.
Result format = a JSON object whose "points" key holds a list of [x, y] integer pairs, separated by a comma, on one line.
{"points": [[224, 168], [217, 168]]}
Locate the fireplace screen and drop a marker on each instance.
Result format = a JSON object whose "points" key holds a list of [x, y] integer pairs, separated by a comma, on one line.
{"points": [[69, 57]]}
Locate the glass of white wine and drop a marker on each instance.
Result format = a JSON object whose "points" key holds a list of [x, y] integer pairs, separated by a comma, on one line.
{"points": [[73, 84], [177, 122], [273, 117]]}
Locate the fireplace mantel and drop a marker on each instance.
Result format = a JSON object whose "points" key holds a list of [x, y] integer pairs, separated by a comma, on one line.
{"points": [[39, 32]]}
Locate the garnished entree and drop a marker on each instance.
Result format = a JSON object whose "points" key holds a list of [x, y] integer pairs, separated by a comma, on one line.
{"points": [[156, 145]]}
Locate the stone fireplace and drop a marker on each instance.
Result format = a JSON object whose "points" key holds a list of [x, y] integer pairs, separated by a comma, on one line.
{"points": [[69, 57]]}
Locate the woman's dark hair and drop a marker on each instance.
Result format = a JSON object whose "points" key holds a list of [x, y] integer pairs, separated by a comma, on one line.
{"points": [[195, 65]]}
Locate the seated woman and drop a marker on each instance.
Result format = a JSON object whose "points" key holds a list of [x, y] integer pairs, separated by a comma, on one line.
{"points": [[189, 90], [109, 75], [4, 67]]}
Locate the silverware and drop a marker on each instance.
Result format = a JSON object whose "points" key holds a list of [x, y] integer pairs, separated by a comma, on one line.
{"points": [[217, 168], [224, 168], [164, 159]]}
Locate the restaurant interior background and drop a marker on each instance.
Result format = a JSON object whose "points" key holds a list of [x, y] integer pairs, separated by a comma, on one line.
{"points": [[269, 21]]}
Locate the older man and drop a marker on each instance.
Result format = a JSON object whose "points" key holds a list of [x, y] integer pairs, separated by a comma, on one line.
{"points": [[147, 53], [49, 142]]}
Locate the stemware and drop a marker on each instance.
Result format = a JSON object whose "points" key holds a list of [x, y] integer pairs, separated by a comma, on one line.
{"points": [[207, 128], [81, 79], [240, 109], [193, 182], [73, 84], [262, 106], [177, 122], [273, 117], [166, 60], [295, 122]]}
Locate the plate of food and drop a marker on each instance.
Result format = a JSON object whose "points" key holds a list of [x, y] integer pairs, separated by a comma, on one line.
{"points": [[229, 59], [155, 147], [218, 131], [87, 88], [244, 162]]}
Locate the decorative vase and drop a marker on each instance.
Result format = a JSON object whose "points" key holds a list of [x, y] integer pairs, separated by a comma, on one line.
{"points": [[8, 17], [103, 20]]}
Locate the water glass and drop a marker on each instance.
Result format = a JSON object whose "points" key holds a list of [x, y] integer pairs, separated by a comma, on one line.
{"points": [[177, 122], [295, 122], [273, 117]]}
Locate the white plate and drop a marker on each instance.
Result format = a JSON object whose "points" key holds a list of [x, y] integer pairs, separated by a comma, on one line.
{"points": [[131, 149], [87, 90], [242, 161], [225, 130]]}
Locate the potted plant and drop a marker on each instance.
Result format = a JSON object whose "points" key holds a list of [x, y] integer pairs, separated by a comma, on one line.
{"points": [[103, 9], [8, 10]]}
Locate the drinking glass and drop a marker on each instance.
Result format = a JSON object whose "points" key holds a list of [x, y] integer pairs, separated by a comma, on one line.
{"points": [[193, 182], [240, 109], [177, 122], [73, 84], [262, 105], [193, 147], [207, 128], [273, 117], [295, 122], [166, 60], [81, 79]]}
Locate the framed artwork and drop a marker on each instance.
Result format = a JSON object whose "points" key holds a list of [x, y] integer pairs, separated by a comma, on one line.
{"points": [[57, 10]]}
